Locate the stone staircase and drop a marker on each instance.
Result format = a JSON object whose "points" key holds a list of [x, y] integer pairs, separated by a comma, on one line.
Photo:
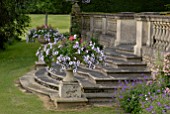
{"points": [[98, 85]]}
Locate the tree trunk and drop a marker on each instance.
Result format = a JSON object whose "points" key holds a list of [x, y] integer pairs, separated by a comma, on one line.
{"points": [[46, 19]]}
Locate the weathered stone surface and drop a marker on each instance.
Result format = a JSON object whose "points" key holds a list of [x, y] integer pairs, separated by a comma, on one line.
{"points": [[69, 90], [68, 103], [94, 86], [126, 32]]}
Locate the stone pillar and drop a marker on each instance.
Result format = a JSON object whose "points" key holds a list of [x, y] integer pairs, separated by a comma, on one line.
{"points": [[126, 31], [104, 21], [91, 23], [141, 35], [89, 34], [150, 30], [75, 20]]}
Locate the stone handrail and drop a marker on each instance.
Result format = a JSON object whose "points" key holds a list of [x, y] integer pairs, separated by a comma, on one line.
{"points": [[160, 37], [143, 29], [152, 31]]}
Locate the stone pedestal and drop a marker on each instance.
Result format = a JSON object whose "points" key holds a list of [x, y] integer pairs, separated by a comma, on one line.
{"points": [[69, 89], [70, 96], [69, 76]]}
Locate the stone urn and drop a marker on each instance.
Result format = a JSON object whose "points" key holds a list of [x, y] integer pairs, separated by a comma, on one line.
{"points": [[69, 75], [42, 40]]}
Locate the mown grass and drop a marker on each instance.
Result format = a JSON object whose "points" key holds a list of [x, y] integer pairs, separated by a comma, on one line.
{"points": [[62, 22], [17, 60]]}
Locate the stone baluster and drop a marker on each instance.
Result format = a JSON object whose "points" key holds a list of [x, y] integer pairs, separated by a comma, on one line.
{"points": [[162, 41], [165, 38], [159, 34], [153, 33], [156, 39], [168, 38]]}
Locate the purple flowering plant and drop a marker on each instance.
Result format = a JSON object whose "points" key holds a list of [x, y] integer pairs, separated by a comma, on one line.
{"points": [[156, 103]]}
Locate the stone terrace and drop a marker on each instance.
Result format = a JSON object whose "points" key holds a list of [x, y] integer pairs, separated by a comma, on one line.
{"points": [[98, 85]]}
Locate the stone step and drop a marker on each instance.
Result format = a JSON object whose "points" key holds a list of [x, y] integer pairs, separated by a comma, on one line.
{"points": [[129, 48], [27, 82], [56, 72], [122, 56], [42, 78], [121, 64], [113, 80], [101, 98], [86, 84], [89, 87], [126, 72]]}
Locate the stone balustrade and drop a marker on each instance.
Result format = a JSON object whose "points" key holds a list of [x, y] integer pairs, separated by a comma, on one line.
{"points": [[111, 29], [160, 37], [153, 33], [146, 31]]}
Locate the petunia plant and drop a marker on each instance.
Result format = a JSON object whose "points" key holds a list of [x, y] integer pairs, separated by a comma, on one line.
{"points": [[71, 52], [44, 34]]}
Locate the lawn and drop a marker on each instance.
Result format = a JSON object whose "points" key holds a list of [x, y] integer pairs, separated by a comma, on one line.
{"points": [[62, 22], [17, 60]]}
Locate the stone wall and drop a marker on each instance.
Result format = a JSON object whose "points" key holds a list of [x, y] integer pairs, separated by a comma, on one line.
{"points": [[148, 32], [110, 29]]}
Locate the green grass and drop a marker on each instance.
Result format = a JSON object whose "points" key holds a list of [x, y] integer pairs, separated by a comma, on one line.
{"points": [[62, 22], [17, 60]]}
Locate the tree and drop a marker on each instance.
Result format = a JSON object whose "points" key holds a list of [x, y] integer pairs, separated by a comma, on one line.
{"points": [[48, 6], [167, 6], [13, 20]]}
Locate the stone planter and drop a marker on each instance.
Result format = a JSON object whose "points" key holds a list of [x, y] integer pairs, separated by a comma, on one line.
{"points": [[69, 75], [42, 40]]}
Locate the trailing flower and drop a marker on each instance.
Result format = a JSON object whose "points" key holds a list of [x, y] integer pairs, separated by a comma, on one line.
{"points": [[166, 66], [71, 52], [45, 34]]}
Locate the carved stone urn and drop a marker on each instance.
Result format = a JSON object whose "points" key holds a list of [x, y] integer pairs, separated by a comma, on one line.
{"points": [[42, 40], [69, 75], [69, 86]]}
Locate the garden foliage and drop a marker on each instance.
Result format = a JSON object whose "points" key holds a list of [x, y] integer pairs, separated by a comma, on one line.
{"points": [[147, 97], [110, 6], [13, 20], [71, 52]]}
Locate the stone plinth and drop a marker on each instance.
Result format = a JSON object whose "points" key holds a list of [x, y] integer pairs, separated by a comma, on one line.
{"points": [[70, 95], [69, 103], [69, 89]]}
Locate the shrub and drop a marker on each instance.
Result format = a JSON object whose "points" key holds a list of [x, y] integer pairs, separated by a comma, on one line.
{"points": [[151, 97], [130, 96], [156, 103]]}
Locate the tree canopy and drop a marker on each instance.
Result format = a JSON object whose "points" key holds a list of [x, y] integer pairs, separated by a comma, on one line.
{"points": [[13, 20]]}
